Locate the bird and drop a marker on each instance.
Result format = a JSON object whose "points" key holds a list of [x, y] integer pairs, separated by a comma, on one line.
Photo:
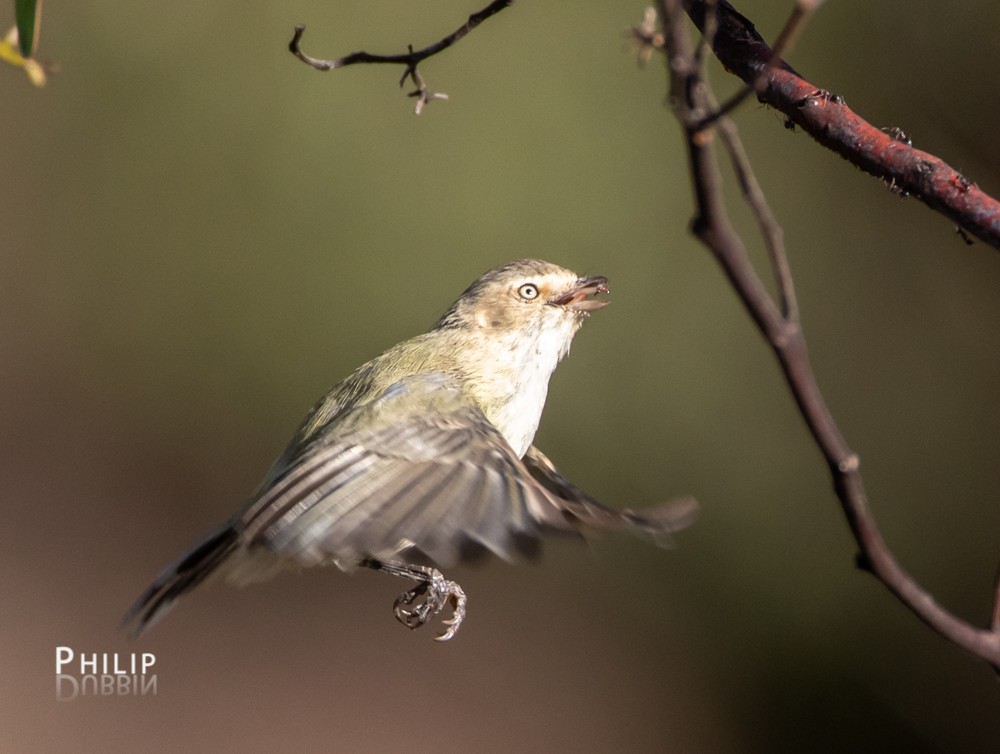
{"points": [[422, 459]]}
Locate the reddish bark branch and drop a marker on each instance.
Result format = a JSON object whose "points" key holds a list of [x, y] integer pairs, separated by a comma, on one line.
{"points": [[827, 119]]}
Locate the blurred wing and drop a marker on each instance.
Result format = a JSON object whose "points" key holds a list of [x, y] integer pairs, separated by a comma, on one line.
{"points": [[419, 474], [656, 522]]}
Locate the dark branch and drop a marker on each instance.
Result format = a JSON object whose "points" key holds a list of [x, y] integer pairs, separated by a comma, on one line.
{"points": [[411, 59], [691, 98], [827, 119]]}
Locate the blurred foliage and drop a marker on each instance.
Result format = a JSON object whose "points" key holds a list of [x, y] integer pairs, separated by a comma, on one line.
{"points": [[19, 45], [201, 235]]}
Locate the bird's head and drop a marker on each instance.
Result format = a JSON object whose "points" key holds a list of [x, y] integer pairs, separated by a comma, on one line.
{"points": [[531, 297]]}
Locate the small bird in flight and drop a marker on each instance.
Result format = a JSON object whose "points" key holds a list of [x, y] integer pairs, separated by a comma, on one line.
{"points": [[422, 458]]}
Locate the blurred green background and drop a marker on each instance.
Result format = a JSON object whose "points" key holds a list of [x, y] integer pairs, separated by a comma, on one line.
{"points": [[200, 235]]}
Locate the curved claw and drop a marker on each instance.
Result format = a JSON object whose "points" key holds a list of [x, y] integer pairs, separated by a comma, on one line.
{"points": [[419, 615], [456, 596]]}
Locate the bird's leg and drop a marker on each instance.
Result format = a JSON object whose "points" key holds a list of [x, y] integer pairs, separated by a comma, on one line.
{"points": [[432, 592]]}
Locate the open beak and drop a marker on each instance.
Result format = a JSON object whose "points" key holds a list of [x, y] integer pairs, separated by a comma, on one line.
{"points": [[578, 298]]}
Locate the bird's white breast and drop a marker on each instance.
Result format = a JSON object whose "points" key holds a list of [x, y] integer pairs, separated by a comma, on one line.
{"points": [[520, 373]]}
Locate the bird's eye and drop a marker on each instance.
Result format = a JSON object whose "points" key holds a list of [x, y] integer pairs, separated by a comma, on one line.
{"points": [[528, 291]]}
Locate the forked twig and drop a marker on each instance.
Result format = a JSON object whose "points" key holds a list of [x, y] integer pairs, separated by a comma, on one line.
{"points": [[411, 59]]}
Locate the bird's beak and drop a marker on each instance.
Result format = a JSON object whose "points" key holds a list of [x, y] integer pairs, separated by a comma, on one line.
{"points": [[578, 299]]}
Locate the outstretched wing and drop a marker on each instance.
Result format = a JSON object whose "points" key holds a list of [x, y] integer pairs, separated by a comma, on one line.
{"points": [[656, 522], [418, 474]]}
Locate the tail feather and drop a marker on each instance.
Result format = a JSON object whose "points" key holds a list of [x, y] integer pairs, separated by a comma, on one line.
{"points": [[658, 522], [178, 579]]}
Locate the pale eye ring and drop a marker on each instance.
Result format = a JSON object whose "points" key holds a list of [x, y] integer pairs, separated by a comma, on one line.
{"points": [[528, 291]]}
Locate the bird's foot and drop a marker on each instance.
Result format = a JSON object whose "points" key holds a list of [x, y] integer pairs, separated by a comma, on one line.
{"points": [[429, 597]]}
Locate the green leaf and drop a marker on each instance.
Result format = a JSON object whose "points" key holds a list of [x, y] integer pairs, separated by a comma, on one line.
{"points": [[28, 14]]}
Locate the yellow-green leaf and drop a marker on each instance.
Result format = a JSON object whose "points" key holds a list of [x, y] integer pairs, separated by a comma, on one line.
{"points": [[10, 52]]}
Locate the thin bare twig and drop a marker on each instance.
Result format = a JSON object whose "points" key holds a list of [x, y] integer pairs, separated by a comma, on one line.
{"points": [[705, 42], [411, 59], [825, 117], [770, 228], [691, 97]]}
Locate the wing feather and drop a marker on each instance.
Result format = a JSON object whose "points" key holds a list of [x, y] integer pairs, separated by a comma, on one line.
{"points": [[419, 473]]}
